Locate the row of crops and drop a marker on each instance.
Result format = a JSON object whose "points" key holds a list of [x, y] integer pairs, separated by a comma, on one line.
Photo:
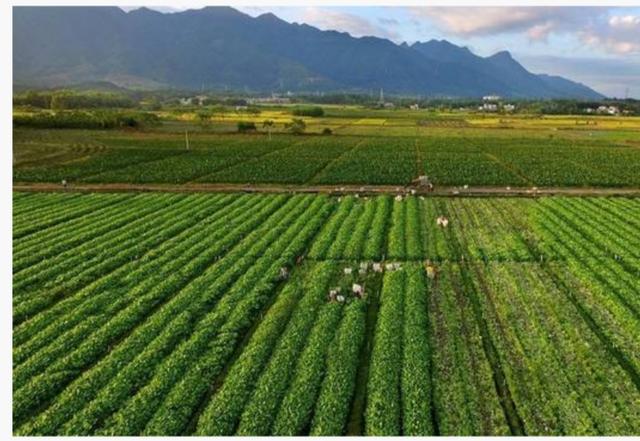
{"points": [[221, 314], [328, 160]]}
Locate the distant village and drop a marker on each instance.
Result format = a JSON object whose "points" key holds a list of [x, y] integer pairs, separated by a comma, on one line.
{"points": [[494, 103], [604, 110], [488, 103]]}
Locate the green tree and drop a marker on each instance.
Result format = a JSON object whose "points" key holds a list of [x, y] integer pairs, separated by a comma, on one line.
{"points": [[297, 126], [204, 116], [268, 124], [309, 111], [246, 126]]}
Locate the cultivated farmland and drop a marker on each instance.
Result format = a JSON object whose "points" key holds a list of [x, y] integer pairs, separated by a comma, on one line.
{"points": [[290, 314], [367, 146]]}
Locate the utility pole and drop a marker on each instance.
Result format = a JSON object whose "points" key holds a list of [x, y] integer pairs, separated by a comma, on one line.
{"points": [[186, 139]]}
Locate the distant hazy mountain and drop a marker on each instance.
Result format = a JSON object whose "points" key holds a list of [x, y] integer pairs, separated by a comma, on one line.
{"points": [[220, 47]]}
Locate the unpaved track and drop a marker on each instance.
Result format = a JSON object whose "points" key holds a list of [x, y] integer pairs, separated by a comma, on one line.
{"points": [[330, 189]]}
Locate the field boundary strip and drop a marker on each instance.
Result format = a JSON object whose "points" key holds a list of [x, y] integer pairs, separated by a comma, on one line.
{"points": [[240, 161], [336, 160], [508, 167], [492, 191]]}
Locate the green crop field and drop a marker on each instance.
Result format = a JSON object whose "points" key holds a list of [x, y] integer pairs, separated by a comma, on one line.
{"points": [[212, 314], [290, 313], [367, 146]]}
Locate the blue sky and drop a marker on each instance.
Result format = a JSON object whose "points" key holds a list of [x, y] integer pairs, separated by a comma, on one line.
{"points": [[599, 46]]}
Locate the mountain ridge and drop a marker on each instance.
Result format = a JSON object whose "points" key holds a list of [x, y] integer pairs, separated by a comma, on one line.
{"points": [[221, 47]]}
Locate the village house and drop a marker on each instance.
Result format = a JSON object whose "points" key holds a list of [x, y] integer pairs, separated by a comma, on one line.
{"points": [[489, 107], [273, 99], [608, 110]]}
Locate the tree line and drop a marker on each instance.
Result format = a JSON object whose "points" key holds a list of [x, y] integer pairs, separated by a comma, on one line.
{"points": [[66, 99], [97, 119]]}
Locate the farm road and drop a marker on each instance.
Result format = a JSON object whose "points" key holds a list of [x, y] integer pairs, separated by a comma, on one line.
{"points": [[331, 189]]}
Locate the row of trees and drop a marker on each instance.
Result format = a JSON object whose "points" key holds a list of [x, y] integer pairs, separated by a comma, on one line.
{"points": [[65, 99], [100, 119], [315, 111], [296, 126], [573, 107], [204, 115]]}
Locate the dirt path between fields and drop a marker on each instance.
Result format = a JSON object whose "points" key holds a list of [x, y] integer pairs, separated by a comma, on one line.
{"points": [[330, 189]]}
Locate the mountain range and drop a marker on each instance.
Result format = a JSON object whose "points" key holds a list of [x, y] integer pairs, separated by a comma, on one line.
{"points": [[223, 48]]}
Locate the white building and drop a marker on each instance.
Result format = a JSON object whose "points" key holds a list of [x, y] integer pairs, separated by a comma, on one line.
{"points": [[608, 110], [198, 99], [491, 98], [273, 99]]}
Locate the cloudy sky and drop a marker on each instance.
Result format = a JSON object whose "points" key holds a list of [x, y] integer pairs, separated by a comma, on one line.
{"points": [[599, 46]]}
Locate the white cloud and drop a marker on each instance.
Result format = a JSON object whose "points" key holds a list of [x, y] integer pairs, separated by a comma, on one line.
{"points": [[620, 35], [328, 19], [478, 21], [598, 27], [540, 31], [626, 22]]}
